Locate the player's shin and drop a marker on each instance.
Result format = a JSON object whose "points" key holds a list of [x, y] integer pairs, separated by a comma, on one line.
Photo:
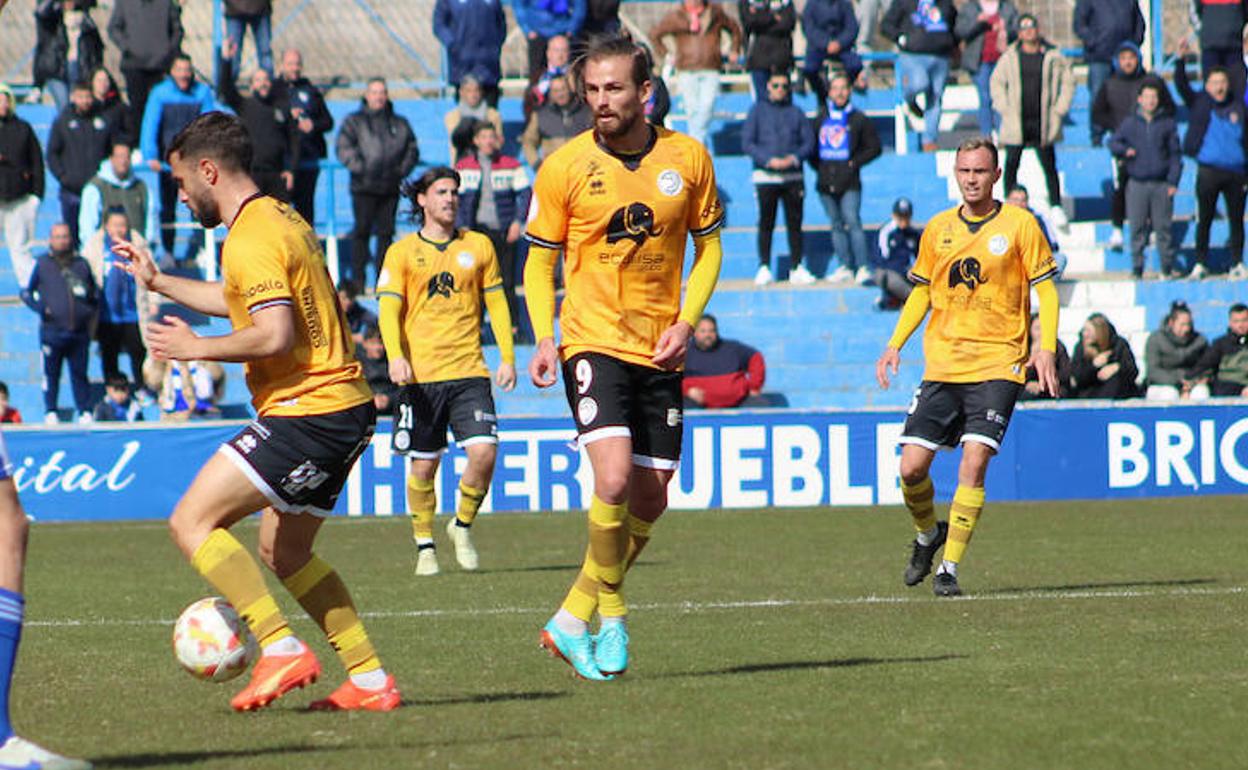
{"points": [[422, 503], [919, 499], [968, 502], [323, 595], [224, 563]]}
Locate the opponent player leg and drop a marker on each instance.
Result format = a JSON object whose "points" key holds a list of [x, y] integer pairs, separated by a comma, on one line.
{"points": [[220, 496], [968, 501], [567, 633], [14, 750], [473, 485], [422, 506], [285, 546]]}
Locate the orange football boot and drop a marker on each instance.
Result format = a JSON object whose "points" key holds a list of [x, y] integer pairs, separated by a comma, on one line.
{"points": [[274, 676], [348, 697]]}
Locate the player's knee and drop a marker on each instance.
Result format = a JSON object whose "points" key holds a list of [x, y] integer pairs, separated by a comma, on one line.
{"points": [[481, 460], [611, 484], [912, 473]]}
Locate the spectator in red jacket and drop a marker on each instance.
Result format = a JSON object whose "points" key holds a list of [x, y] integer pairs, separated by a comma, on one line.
{"points": [[7, 413], [721, 373]]}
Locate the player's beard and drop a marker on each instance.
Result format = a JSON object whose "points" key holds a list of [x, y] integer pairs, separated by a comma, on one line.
{"points": [[205, 209], [624, 123]]}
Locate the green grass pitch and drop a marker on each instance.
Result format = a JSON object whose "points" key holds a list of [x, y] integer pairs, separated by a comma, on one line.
{"points": [[1094, 635]]}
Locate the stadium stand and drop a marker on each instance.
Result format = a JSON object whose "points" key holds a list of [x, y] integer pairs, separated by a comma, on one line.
{"points": [[820, 341]]}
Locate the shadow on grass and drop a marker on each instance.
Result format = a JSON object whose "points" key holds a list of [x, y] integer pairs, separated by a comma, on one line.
{"points": [[1186, 582], [557, 568], [487, 697], [158, 759], [162, 759], [809, 665]]}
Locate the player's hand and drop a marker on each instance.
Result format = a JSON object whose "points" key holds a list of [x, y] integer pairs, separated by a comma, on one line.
{"points": [[834, 47], [1130, 153], [697, 396], [172, 339], [288, 180], [544, 363], [1045, 363], [505, 377], [137, 262], [513, 232], [1172, 191], [400, 371], [890, 360], [669, 354], [305, 124], [1106, 372]]}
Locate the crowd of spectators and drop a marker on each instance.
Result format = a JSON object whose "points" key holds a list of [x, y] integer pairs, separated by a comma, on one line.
{"points": [[1025, 88]]}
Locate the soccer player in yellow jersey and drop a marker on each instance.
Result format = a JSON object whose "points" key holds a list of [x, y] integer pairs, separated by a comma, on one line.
{"points": [[431, 287], [315, 417], [976, 267], [620, 201]]}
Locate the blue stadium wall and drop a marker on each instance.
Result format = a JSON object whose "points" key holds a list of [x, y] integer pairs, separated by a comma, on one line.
{"points": [[732, 460]]}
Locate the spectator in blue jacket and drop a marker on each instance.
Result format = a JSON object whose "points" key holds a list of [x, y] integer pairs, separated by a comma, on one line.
{"points": [[500, 215], [120, 297], [779, 139], [831, 30], [541, 20], [118, 405], [899, 247], [472, 31], [63, 293], [1103, 25], [171, 106], [1150, 145], [1216, 138]]}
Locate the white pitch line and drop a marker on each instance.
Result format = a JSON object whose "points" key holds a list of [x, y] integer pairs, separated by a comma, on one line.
{"points": [[757, 604]]}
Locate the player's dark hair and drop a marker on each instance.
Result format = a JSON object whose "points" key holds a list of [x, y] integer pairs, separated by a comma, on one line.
{"points": [[118, 381], [372, 332], [217, 136], [412, 189], [979, 143], [1018, 188], [1238, 307], [609, 47]]}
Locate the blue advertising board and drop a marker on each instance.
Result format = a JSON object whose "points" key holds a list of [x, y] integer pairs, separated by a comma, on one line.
{"points": [[743, 459]]}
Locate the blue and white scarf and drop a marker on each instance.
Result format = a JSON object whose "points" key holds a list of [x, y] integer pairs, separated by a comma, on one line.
{"points": [[834, 133]]}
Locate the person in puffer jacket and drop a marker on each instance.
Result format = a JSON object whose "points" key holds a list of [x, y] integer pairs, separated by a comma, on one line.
{"points": [[379, 148], [1171, 351]]}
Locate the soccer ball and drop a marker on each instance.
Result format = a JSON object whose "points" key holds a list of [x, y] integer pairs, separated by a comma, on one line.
{"points": [[212, 642]]}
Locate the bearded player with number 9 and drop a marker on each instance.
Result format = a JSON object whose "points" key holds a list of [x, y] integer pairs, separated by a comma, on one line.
{"points": [[976, 267], [620, 201]]}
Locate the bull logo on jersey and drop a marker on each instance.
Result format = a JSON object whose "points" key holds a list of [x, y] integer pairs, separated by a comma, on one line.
{"points": [[634, 222], [966, 272], [442, 284]]}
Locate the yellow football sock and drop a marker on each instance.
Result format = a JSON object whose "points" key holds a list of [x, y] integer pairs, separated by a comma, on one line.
{"points": [[224, 563], [422, 505], [582, 599], [608, 544], [963, 514], [638, 536], [323, 595], [919, 500], [470, 499]]}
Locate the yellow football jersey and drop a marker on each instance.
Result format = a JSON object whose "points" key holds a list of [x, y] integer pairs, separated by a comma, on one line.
{"points": [[622, 222], [272, 257], [980, 275], [441, 286]]}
